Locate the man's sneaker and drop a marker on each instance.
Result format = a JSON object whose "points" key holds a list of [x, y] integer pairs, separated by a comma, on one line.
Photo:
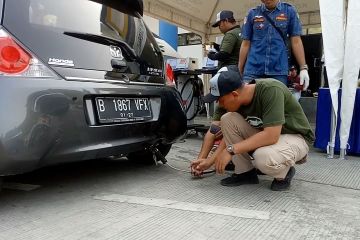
{"points": [[230, 166], [303, 160], [249, 177], [283, 185]]}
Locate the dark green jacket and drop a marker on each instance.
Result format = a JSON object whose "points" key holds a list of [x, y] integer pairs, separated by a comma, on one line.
{"points": [[231, 44]]}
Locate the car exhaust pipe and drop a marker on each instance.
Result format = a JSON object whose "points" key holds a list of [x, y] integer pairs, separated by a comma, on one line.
{"points": [[157, 155]]}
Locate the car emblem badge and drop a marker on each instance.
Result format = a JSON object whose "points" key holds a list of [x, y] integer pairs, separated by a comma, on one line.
{"points": [[61, 62], [116, 52]]}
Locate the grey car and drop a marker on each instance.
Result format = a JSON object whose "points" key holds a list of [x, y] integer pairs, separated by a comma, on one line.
{"points": [[79, 80]]}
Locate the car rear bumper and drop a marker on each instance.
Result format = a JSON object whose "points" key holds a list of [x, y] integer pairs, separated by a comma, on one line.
{"points": [[45, 122]]}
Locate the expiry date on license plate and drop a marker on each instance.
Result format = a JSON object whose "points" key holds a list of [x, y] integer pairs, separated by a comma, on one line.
{"points": [[122, 109]]}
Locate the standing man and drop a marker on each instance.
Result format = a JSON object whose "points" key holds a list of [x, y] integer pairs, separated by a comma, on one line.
{"points": [[294, 83], [264, 51], [228, 53], [263, 119]]}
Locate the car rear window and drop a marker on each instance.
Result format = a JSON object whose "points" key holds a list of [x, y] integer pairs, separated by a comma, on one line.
{"points": [[41, 26]]}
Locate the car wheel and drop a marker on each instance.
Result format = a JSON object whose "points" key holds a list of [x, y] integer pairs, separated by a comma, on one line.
{"points": [[146, 156]]}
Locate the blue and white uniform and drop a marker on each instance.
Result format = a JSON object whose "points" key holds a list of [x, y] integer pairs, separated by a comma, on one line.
{"points": [[268, 55]]}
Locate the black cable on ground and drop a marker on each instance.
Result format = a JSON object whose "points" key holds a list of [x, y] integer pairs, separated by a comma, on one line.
{"points": [[160, 157], [188, 171]]}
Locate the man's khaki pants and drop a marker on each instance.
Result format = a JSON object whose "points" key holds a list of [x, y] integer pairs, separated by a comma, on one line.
{"points": [[273, 160]]}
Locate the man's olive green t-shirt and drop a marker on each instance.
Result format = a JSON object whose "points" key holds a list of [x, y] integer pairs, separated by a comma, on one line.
{"points": [[273, 105], [231, 44]]}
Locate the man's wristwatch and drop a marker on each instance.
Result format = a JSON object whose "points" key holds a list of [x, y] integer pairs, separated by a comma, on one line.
{"points": [[230, 149], [305, 66]]}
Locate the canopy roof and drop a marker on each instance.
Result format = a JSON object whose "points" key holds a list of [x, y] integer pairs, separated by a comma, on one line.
{"points": [[197, 15]]}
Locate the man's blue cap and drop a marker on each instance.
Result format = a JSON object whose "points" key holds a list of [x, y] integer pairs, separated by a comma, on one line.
{"points": [[223, 15], [226, 80]]}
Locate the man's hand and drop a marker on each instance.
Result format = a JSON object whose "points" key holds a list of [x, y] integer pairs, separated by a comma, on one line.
{"points": [[297, 86], [198, 166], [211, 55], [304, 78], [221, 161]]}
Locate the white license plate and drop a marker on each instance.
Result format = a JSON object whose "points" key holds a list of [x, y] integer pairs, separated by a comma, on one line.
{"points": [[122, 109]]}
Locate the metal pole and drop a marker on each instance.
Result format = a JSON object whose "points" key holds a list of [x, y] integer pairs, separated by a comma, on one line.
{"points": [[331, 143]]}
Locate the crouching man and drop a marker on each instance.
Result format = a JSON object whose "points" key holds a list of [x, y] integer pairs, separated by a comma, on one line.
{"points": [[265, 128]]}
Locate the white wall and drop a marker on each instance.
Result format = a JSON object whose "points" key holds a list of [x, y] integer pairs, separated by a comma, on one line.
{"points": [[152, 23], [193, 51]]}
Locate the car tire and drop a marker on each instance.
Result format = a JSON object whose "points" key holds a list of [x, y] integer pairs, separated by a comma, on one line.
{"points": [[146, 156]]}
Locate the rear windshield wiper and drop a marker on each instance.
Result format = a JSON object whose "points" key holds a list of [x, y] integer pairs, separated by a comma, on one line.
{"points": [[129, 51]]}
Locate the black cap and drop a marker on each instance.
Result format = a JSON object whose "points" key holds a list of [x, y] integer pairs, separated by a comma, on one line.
{"points": [[222, 15], [226, 80]]}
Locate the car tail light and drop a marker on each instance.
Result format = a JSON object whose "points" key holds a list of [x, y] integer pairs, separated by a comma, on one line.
{"points": [[16, 61], [13, 59]]}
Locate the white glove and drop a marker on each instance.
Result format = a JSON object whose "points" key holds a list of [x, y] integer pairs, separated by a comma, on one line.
{"points": [[304, 79]]}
